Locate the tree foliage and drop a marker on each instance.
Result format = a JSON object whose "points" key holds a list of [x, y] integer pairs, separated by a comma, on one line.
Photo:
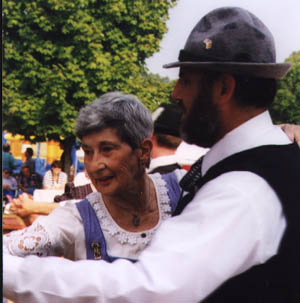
{"points": [[152, 89], [60, 55], [286, 107]]}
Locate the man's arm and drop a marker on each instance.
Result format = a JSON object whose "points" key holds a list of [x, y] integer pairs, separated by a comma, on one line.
{"points": [[24, 206], [223, 232]]}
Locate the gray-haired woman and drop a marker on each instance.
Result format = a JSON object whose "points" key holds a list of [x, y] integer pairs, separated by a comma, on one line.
{"points": [[119, 219]]}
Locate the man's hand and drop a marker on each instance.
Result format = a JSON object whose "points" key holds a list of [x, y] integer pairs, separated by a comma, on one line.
{"points": [[292, 131], [23, 205]]}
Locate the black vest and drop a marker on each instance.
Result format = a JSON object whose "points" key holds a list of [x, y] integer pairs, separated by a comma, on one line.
{"points": [[277, 280], [165, 169]]}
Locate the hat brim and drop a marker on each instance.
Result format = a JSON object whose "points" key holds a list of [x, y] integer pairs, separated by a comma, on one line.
{"points": [[260, 70]]}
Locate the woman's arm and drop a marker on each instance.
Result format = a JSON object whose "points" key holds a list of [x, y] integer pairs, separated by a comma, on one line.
{"points": [[51, 235]]}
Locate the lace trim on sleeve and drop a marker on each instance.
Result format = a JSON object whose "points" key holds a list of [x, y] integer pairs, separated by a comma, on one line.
{"points": [[33, 240], [133, 238]]}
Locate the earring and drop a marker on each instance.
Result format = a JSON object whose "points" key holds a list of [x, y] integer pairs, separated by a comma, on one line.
{"points": [[142, 163]]}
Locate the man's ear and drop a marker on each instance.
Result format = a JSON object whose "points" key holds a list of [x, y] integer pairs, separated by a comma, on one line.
{"points": [[224, 89]]}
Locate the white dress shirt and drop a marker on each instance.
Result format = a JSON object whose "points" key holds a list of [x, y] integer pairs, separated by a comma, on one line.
{"points": [[162, 161], [49, 182], [81, 179], [188, 154], [234, 222], [11, 182], [185, 154]]}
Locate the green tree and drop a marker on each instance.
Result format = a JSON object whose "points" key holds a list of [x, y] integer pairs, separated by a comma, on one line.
{"points": [[152, 89], [60, 55], [286, 107]]}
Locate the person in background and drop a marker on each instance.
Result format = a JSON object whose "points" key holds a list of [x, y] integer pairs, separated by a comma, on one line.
{"points": [[28, 181], [188, 154], [25, 207], [9, 183], [78, 189], [30, 162], [234, 236], [55, 178], [8, 160], [82, 178], [167, 149], [165, 139]]}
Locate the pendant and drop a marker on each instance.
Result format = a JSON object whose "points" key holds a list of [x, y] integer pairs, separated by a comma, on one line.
{"points": [[136, 220]]}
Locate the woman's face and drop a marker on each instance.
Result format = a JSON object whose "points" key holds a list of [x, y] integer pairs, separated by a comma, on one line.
{"points": [[113, 166], [56, 170], [5, 173]]}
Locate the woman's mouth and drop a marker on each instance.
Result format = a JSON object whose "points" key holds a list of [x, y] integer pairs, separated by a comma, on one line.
{"points": [[104, 180]]}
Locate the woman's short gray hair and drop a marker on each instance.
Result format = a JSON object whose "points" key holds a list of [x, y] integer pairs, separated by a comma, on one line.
{"points": [[124, 113]]}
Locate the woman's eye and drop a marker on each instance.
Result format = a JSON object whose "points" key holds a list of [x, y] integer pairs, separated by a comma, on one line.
{"points": [[107, 149], [87, 152]]}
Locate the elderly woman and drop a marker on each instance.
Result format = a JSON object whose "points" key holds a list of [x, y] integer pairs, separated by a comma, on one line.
{"points": [[119, 219]]}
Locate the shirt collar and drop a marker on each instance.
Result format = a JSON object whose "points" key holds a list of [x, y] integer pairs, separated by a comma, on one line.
{"points": [[162, 161], [254, 132]]}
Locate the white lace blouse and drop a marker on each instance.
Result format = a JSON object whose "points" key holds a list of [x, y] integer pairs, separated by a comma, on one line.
{"points": [[61, 233]]}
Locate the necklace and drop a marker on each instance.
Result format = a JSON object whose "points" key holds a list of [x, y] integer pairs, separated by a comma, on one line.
{"points": [[136, 220]]}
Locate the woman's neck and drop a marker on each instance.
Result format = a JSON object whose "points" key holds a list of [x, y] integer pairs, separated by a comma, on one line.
{"points": [[55, 176], [134, 199], [135, 211]]}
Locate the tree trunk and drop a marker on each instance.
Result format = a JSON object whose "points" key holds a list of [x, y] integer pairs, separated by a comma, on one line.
{"points": [[66, 158]]}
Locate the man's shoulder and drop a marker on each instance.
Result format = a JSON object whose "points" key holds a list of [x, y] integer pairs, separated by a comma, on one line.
{"points": [[261, 157]]}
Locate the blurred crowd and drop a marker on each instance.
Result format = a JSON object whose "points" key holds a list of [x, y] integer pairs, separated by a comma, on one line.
{"points": [[23, 176]]}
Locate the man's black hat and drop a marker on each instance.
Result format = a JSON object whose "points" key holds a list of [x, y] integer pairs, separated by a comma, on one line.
{"points": [[166, 119], [233, 40]]}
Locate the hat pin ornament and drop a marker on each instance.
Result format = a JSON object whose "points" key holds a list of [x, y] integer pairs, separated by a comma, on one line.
{"points": [[208, 43]]}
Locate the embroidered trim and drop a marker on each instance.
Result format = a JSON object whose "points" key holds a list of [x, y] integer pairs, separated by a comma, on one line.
{"points": [[125, 237], [33, 240]]}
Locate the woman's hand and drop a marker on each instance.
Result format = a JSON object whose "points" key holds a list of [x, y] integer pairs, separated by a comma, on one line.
{"points": [[292, 131]]}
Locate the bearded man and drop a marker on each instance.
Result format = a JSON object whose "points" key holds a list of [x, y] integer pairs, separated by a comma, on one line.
{"points": [[237, 236]]}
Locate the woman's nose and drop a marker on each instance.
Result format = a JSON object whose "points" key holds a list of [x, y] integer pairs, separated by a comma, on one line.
{"points": [[97, 162]]}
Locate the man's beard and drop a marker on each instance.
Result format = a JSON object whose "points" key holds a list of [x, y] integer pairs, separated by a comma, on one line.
{"points": [[201, 124]]}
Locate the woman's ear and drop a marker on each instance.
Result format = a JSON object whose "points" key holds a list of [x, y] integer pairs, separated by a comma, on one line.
{"points": [[145, 154]]}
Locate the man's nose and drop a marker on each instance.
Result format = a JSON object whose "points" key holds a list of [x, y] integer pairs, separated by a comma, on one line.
{"points": [[176, 92]]}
